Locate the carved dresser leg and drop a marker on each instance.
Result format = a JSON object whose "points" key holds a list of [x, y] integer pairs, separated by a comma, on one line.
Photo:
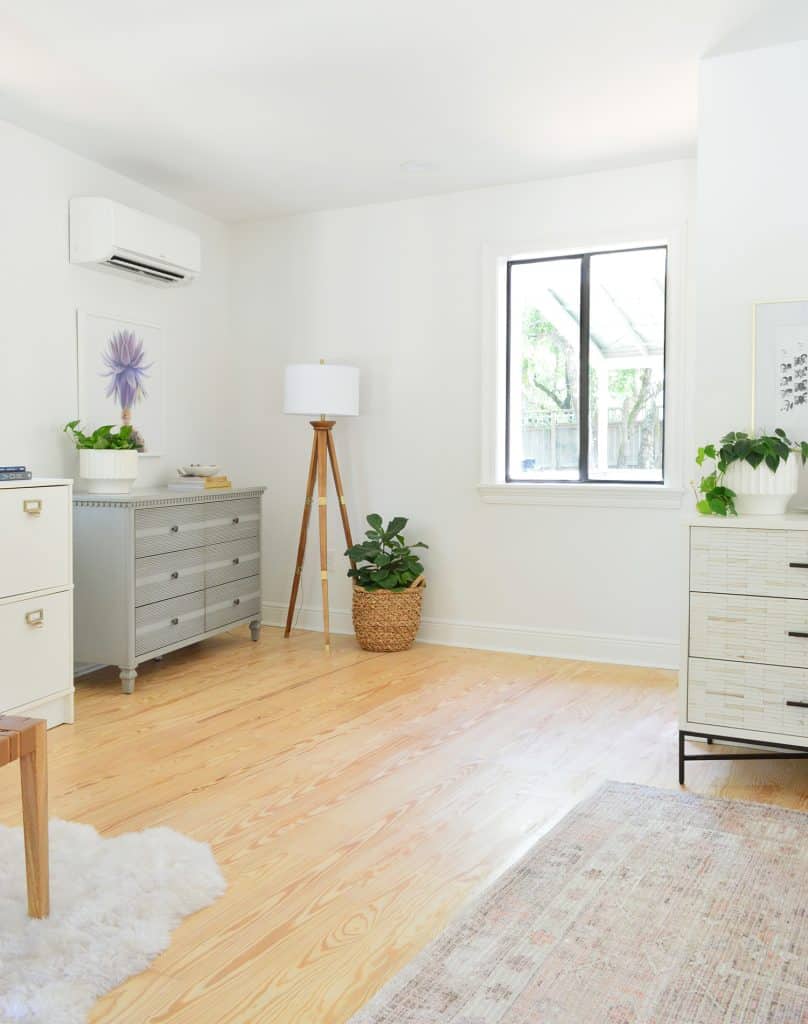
{"points": [[128, 677], [255, 629]]}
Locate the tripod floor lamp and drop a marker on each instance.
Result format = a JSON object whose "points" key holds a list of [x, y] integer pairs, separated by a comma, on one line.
{"points": [[317, 389]]}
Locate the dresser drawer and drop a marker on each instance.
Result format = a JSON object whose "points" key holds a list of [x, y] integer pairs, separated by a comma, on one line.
{"points": [[36, 640], [770, 563], [763, 698], [160, 577], [232, 520], [768, 630], [35, 526], [233, 561], [169, 528], [167, 622], [232, 602]]}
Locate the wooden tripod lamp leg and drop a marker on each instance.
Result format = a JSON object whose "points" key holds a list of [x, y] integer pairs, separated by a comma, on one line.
{"points": [[34, 784], [322, 489], [343, 508], [304, 529]]}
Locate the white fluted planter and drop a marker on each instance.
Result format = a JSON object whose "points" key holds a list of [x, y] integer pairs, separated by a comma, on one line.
{"points": [[760, 492], [108, 472]]}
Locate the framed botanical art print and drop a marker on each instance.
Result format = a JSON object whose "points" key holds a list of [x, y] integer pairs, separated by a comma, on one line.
{"points": [[121, 376], [780, 348]]}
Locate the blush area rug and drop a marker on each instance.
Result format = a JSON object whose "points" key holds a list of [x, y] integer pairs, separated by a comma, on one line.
{"points": [[114, 903], [642, 906]]}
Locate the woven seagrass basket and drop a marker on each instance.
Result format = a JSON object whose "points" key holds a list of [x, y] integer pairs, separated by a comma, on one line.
{"points": [[386, 621]]}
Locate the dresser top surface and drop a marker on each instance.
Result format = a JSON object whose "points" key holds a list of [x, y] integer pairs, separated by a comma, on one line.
{"points": [[163, 496], [41, 481], [790, 521]]}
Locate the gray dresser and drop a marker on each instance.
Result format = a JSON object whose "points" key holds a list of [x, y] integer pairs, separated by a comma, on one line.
{"points": [[158, 570]]}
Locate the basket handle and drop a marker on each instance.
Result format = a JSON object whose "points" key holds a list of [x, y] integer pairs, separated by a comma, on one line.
{"points": [[420, 581]]}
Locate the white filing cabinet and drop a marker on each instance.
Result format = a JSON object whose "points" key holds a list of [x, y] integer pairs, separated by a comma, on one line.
{"points": [[36, 599], [745, 668]]}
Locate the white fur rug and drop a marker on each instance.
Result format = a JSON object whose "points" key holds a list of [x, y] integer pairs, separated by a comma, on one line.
{"points": [[114, 903]]}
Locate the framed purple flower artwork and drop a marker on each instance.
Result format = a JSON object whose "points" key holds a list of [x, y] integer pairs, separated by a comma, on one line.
{"points": [[121, 376]]}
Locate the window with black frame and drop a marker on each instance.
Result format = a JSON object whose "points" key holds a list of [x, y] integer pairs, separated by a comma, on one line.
{"points": [[585, 399]]}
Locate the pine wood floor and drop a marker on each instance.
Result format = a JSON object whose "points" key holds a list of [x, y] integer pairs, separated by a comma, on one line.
{"points": [[354, 801]]}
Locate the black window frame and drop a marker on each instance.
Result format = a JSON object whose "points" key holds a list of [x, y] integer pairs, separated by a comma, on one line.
{"points": [[583, 368]]}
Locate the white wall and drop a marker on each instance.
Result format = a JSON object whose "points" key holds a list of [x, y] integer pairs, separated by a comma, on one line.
{"points": [[40, 294], [752, 218], [397, 289]]}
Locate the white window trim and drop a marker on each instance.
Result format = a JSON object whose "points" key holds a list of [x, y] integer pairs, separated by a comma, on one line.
{"points": [[493, 487]]}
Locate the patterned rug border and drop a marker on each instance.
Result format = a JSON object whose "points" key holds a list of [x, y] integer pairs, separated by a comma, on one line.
{"points": [[383, 995]]}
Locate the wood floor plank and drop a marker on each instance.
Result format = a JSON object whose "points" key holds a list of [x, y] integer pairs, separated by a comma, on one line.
{"points": [[355, 801]]}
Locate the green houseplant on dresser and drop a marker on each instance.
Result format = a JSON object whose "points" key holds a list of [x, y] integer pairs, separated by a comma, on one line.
{"points": [[108, 458], [388, 582], [752, 475]]}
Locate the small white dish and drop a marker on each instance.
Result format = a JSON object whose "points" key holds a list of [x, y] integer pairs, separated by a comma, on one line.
{"points": [[197, 469]]}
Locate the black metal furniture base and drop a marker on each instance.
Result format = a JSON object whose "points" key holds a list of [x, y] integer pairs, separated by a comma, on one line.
{"points": [[774, 751]]}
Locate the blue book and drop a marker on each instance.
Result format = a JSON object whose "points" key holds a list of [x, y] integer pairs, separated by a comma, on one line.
{"points": [[12, 469]]}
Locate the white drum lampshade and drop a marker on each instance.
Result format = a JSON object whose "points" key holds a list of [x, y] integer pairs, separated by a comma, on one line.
{"points": [[321, 389]]}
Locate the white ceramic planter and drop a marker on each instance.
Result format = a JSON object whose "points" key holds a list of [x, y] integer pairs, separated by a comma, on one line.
{"points": [[108, 472], [760, 492]]}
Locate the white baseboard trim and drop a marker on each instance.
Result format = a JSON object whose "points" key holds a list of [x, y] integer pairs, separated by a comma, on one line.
{"points": [[617, 650]]}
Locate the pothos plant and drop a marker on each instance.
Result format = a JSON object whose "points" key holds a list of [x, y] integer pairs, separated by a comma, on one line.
{"points": [[713, 497], [105, 438], [385, 561]]}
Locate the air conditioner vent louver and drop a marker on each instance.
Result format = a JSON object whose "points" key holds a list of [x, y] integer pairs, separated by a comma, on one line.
{"points": [[143, 268]]}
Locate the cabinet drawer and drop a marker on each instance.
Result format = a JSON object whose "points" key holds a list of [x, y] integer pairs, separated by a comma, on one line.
{"points": [[770, 563], [36, 640], [166, 622], [769, 630], [233, 561], [160, 577], [764, 698], [232, 520], [169, 528], [35, 524], [232, 602]]}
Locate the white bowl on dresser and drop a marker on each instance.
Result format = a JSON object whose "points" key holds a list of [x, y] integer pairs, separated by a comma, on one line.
{"points": [[36, 599]]}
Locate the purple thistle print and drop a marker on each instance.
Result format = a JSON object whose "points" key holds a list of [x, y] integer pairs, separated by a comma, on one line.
{"points": [[126, 369]]}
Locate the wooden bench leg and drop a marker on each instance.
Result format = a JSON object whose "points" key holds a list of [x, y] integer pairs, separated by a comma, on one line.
{"points": [[34, 784]]}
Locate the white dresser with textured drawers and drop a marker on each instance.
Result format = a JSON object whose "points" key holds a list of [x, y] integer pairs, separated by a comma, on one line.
{"points": [[36, 599], [745, 671], [158, 570]]}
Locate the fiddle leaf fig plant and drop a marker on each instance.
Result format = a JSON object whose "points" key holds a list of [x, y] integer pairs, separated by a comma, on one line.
{"points": [[713, 497], [104, 438], [384, 561]]}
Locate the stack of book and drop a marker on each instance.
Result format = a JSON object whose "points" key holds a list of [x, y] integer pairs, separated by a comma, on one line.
{"points": [[14, 473], [189, 484]]}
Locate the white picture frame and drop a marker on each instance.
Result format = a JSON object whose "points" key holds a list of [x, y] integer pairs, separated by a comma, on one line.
{"points": [[94, 332], [780, 367]]}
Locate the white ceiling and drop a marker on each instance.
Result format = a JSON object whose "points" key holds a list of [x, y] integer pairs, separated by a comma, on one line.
{"points": [[250, 109]]}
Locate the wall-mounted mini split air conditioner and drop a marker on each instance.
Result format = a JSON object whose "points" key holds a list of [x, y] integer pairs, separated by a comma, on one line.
{"points": [[107, 235]]}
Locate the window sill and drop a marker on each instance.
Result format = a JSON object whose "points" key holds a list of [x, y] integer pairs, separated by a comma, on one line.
{"points": [[583, 495]]}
